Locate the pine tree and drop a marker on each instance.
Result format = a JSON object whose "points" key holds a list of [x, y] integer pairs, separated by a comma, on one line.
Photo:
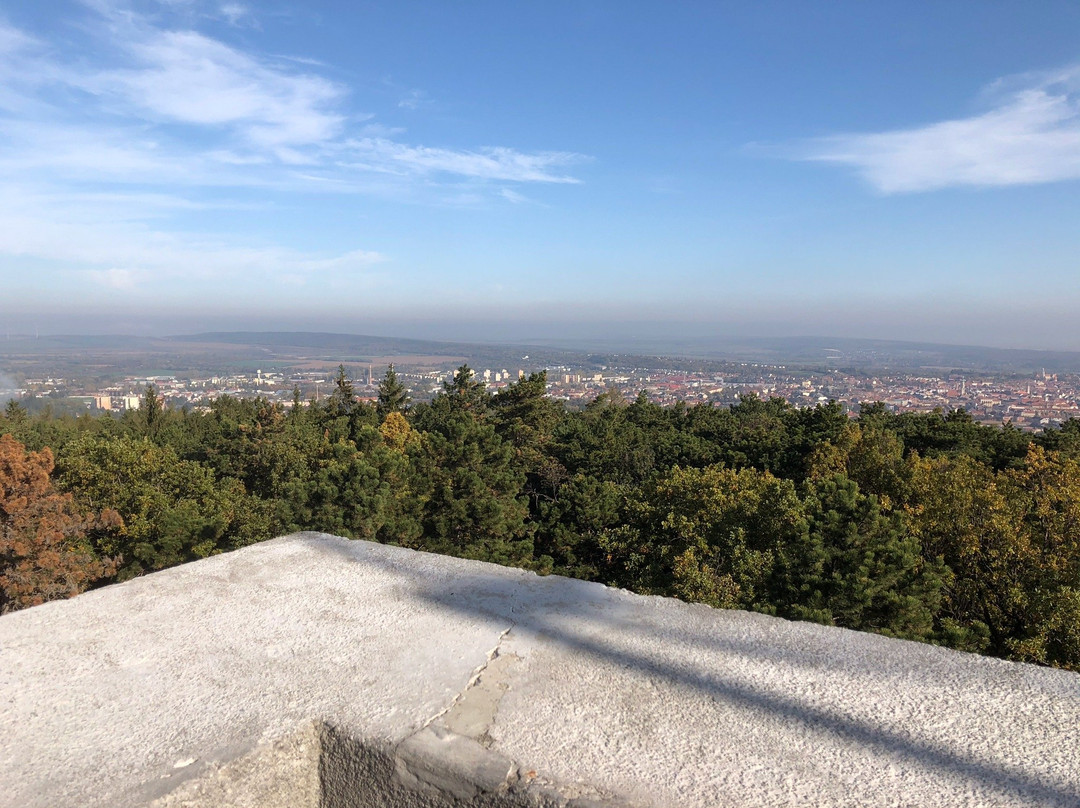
{"points": [[526, 418], [343, 400], [393, 397], [464, 392], [859, 566], [473, 506], [150, 410], [15, 412]]}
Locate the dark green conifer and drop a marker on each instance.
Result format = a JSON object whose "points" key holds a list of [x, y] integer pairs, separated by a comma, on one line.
{"points": [[393, 397], [150, 410], [343, 400], [464, 392], [14, 412]]}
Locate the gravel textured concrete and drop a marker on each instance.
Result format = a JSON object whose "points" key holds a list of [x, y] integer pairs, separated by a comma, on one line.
{"points": [[316, 671]]}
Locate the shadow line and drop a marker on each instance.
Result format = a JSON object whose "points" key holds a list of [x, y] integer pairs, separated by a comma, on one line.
{"points": [[493, 594]]}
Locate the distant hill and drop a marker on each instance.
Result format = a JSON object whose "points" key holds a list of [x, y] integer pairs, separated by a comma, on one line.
{"points": [[864, 354], [361, 347], [349, 343], [811, 352]]}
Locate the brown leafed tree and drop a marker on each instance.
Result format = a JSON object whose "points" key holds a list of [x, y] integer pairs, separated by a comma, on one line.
{"points": [[44, 551]]}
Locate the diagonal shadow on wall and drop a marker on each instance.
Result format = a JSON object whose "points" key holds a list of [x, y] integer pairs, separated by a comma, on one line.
{"points": [[572, 614]]}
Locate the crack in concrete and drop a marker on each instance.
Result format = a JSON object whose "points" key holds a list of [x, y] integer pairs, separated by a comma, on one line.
{"points": [[473, 714], [474, 679], [451, 753]]}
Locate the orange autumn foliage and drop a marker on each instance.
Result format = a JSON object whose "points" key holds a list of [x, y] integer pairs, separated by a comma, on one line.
{"points": [[44, 550]]}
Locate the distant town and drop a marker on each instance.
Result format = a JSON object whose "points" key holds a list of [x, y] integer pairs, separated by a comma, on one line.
{"points": [[1031, 402]]}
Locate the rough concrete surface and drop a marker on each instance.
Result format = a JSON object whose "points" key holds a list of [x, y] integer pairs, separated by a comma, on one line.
{"points": [[316, 672]]}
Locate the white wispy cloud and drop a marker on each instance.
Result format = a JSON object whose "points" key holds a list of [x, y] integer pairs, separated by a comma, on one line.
{"points": [[113, 278], [1030, 134], [188, 78], [496, 163], [107, 153], [243, 108], [414, 99], [20, 72], [237, 14], [45, 149], [121, 240], [12, 40], [353, 261], [122, 250]]}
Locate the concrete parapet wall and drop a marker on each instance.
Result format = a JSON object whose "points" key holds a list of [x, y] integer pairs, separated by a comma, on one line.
{"points": [[315, 672]]}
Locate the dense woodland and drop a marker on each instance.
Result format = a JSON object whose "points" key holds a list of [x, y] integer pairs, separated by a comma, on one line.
{"points": [[924, 526]]}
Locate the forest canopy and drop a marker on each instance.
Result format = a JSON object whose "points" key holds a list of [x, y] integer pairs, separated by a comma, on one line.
{"points": [[929, 527]]}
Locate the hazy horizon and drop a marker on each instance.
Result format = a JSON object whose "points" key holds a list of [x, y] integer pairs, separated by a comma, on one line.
{"points": [[486, 171], [620, 334]]}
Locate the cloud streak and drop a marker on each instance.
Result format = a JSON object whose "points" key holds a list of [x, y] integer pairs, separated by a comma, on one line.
{"points": [[180, 97], [187, 78], [1030, 135], [109, 149], [380, 154], [120, 250], [236, 14]]}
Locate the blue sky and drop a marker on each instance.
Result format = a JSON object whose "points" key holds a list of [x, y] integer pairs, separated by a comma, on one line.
{"points": [[510, 170]]}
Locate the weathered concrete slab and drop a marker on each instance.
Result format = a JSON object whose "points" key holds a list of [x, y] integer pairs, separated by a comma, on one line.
{"points": [[314, 671]]}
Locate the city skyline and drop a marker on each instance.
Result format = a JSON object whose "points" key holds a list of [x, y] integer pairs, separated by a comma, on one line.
{"points": [[491, 172], [1032, 403]]}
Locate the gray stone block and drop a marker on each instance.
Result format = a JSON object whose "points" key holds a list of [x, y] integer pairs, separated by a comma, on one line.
{"points": [[315, 672]]}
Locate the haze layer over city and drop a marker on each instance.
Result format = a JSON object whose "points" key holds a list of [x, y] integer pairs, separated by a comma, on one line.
{"points": [[494, 172]]}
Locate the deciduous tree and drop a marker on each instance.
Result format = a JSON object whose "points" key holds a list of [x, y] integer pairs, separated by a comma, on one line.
{"points": [[44, 551], [173, 510]]}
